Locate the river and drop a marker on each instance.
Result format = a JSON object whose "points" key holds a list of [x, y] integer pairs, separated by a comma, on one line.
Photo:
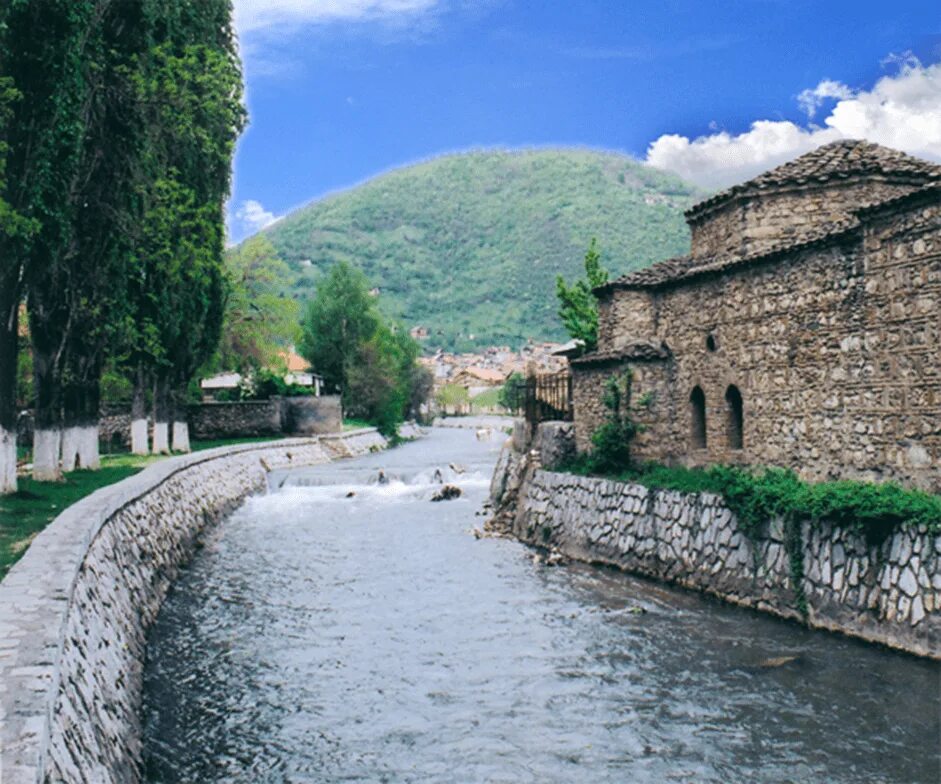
{"points": [[342, 630]]}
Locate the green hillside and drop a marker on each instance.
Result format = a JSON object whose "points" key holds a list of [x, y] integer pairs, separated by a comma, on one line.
{"points": [[469, 245]]}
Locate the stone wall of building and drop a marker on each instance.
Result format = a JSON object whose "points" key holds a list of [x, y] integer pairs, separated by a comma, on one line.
{"points": [[74, 612], [651, 399], [833, 348], [628, 316], [889, 594], [754, 223]]}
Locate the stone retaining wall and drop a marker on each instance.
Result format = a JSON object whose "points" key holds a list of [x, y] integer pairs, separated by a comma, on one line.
{"points": [[889, 594], [74, 612]]}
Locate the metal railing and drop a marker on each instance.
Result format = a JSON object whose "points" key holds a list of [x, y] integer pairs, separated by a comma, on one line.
{"points": [[542, 398]]}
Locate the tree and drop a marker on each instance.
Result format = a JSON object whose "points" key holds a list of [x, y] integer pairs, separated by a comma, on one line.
{"points": [[375, 366], [338, 321], [45, 101], [14, 230], [578, 306], [259, 323], [192, 89], [513, 392]]}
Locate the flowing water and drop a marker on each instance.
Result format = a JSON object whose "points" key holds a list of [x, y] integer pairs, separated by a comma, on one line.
{"points": [[342, 629]]}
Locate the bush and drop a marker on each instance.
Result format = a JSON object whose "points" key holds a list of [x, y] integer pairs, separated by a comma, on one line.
{"points": [[757, 496], [612, 441]]}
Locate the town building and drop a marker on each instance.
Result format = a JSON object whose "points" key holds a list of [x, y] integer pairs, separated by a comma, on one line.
{"points": [[803, 330]]}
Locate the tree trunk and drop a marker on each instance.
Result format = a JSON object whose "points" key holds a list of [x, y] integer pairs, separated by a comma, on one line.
{"points": [[81, 397], [71, 425], [9, 327], [89, 452], [47, 433], [139, 444], [161, 443]]}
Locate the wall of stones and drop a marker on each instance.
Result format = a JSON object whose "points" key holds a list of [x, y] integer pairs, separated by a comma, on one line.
{"points": [[311, 415], [245, 419], [625, 316], [74, 612], [889, 594], [652, 398], [755, 223], [833, 348]]}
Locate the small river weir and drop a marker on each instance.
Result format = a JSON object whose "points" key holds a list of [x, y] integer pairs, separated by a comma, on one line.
{"points": [[344, 627]]}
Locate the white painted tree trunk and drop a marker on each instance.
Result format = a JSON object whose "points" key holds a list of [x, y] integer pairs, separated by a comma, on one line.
{"points": [[139, 445], [47, 444], [89, 455], [181, 437], [161, 445], [7, 461], [71, 440]]}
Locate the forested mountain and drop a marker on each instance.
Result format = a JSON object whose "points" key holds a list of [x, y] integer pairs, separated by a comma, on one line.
{"points": [[469, 245]]}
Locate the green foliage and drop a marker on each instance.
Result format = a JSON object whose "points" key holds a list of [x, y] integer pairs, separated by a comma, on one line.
{"points": [[512, 394], [578, 307], [337, 322], [452, 395], [346, 340], [259, 322], [471, 244], [611, 442], [758, 496]]}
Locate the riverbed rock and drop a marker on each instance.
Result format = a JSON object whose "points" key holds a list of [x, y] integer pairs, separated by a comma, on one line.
{"points": [[447, 493]]}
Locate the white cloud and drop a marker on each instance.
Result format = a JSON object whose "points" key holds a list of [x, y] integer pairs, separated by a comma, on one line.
{"points": [[252, 15], [812, 99], [902, 110], [252, 217]]}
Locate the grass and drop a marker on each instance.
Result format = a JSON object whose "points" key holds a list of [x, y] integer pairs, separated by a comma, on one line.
{"points": [[27, 512], [355, 424], [488, 399]]}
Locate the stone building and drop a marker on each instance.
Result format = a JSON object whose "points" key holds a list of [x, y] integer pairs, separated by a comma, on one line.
{"points": [[803, 330]]}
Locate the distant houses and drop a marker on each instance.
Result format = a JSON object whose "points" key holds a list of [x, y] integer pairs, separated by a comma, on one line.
{"points": [[223, 386]]}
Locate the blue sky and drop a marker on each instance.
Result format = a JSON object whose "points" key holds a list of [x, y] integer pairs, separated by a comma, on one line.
{"points": [[340, 90]]}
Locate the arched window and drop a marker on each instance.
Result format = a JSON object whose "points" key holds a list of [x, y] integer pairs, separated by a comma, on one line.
{"points": [[735, 426], [697, 407]]}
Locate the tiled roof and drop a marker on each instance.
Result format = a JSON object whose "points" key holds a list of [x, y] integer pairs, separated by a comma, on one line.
{"points": [[641, 350], [686, 267], [837, 160]]}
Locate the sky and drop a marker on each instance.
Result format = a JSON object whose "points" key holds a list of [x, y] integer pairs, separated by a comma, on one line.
{"points": [[717, 91]]}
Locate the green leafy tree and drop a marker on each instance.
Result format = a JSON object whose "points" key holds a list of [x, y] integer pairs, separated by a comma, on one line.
{"points": [[45, 105], [375, 366], [259, 322], [578, 306], [192, 90], [512, 393], [339, 320]]}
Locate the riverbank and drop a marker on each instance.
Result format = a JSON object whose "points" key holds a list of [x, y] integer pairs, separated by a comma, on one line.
{"points": [[24, 514], [342, 628], [75, 610], [820, 574]]}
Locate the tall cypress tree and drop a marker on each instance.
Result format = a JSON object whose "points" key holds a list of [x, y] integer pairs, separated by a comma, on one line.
{"points": [[44, 44], [107, 209], [15, 232], [194, 91]]}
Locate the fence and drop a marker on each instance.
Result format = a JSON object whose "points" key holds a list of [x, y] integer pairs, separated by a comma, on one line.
{"points": [[542, 398]]}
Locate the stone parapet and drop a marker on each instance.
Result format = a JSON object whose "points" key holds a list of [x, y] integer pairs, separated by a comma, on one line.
{"points": [[74, 612]]}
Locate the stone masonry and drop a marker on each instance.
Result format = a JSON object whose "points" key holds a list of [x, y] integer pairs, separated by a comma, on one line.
{"points": [[890, 593], [802, 331], [74, 612]]}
